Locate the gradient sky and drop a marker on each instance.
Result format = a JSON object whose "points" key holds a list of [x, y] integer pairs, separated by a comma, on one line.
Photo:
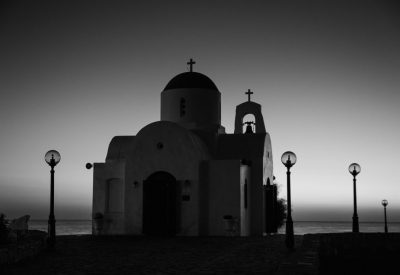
{"points": [[73, 74]]}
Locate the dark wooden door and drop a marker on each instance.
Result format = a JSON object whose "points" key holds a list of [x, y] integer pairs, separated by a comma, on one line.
{"points": [[160, 205]]}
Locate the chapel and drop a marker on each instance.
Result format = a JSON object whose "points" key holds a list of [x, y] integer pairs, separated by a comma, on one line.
{"points": [[184, 175]]}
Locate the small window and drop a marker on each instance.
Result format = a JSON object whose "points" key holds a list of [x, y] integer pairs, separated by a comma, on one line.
{"points": [[114, 196], [245, 193]]}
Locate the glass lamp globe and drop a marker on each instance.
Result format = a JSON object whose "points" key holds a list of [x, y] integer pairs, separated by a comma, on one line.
{"points": [[52, 157], [354, 169], [385, 203], [288, 158]]}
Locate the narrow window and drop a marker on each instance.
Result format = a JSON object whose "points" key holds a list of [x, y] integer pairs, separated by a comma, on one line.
{"points": [[182, 107], [245, 193]]}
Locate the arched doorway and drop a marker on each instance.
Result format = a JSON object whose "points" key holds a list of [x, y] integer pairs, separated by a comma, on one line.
{"points": [[160, 205]]}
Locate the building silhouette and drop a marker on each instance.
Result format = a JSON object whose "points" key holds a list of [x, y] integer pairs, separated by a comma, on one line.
{"points": [[184, 175]]}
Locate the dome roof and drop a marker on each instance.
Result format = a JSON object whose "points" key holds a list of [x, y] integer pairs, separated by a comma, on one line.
{"points": [[191, 80]]}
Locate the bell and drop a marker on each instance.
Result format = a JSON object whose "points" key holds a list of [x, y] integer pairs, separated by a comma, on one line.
{"points": [[249, 129]]}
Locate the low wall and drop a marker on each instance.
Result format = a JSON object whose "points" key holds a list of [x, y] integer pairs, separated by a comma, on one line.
{"points": [[28, 247]]}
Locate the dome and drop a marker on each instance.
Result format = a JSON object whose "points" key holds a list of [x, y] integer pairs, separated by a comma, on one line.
{"points": [[191, 80]]}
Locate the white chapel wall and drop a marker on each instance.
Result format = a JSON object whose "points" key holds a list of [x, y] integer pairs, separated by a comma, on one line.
{"points": [[108, 195], [224, 194]]}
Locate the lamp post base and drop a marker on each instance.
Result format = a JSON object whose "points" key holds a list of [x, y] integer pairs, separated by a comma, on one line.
{"points": [[289, 234], [355, 224], [51, 239]]}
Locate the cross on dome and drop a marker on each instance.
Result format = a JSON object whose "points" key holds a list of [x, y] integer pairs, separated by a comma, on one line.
{"points": [[249, 93], [191, 63]]}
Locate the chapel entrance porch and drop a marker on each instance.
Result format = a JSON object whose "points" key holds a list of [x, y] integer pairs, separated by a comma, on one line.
{"points": [[160, 205]]}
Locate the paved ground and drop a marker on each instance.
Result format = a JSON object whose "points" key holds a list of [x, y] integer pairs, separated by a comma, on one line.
{"points": [[343, 253], [179, 255], [360, 253]]}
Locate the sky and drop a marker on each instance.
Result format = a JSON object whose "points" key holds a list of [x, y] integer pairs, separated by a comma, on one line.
{"points": [[73, 74]]}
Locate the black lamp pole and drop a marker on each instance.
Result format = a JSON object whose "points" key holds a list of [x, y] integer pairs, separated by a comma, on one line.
{"points": [[52, 221], [289, 222], [289, 159], [355, 216], [52, 158], [385, 203], [355, 169], [386, 229]]}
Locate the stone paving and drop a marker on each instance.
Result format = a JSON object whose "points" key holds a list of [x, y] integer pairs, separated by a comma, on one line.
{"points": [[304, 260], [180, 255]]}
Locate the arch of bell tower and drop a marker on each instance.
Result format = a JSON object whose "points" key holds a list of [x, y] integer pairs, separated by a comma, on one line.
{"points": [[246, 108]]}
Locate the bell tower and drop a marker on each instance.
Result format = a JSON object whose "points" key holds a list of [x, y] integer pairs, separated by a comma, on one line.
{"points": [[246, 108]]}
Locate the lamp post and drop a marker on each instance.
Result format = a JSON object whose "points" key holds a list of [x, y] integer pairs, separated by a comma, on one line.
{"points": [[52, 158], [385, 203], [355, 169], [289, 159]]}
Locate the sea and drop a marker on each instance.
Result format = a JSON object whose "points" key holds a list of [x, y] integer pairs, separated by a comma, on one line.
{"points": [[82, 227]]}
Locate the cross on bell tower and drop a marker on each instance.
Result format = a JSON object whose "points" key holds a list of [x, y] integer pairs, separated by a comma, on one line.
{"points": [[249, 93], [191, 63]]}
